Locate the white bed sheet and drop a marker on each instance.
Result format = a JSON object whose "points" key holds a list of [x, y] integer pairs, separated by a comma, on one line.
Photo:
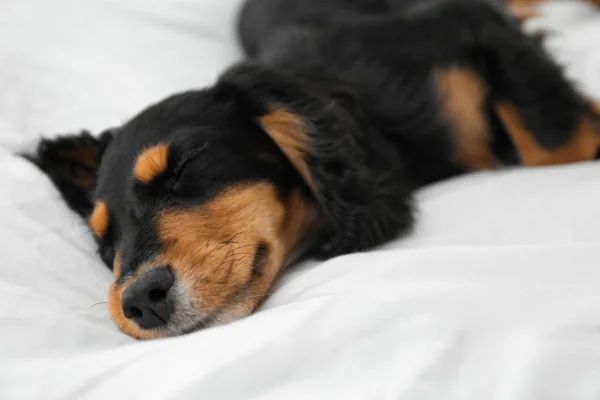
{"points": [[495, 296]]}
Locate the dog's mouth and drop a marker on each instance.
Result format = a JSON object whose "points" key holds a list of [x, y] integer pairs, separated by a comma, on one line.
{"points": [[192, 314], [185, 318], [164, 299], [177, 314]]}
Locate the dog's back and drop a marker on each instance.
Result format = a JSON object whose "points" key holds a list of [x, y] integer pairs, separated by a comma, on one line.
{"points": [[259, 19], [379, 57]]}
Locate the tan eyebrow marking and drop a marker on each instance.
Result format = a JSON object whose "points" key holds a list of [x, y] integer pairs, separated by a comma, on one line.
{"points": [[98, 220], [151, 163]]}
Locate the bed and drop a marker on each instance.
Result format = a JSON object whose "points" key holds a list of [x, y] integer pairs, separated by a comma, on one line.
{"points": [[496, 295]]}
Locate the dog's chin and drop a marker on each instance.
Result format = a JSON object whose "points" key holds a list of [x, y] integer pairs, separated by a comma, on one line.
{"points": [[189, 315], [183, 326]]}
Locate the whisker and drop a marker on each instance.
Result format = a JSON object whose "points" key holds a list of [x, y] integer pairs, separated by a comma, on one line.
{"points": [[230, 262], [242, 254], [241, 247], [261, 296], [94, 305], [214, 233], [235, 236], [210, 253]]}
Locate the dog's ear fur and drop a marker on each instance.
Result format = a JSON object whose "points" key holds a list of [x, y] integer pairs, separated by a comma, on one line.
{"points": [[71, 162], [355, 176]]}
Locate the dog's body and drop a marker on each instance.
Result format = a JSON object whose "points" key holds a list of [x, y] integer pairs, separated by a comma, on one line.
{"points": [[395, 67], [342, 110], [260, 20]]}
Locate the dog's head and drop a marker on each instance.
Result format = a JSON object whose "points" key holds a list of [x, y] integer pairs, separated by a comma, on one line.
{"points": [[198, 201]]}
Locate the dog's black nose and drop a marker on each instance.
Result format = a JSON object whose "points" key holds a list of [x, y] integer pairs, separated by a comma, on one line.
{"points": [[147, 300]]}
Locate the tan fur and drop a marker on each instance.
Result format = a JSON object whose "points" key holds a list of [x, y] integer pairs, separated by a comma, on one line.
{"points": [[151, 162], [211, 248], [287, 130], [117, 265], [300, 218], [463, 95], [582, 146], [523, 9], [98, 220]]}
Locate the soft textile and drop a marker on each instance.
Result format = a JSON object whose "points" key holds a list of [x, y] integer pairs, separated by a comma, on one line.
{"points": [[496, 295]]}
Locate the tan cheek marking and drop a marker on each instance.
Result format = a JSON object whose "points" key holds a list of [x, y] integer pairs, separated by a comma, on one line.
{"points": [[463, 96], [287, 130], [98, 220], [194, 240], [582, 145], [151, 162], [301, 217]]}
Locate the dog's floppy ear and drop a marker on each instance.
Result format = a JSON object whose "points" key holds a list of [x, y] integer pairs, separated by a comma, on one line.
{"points": [[71, 162], [354, 174]]}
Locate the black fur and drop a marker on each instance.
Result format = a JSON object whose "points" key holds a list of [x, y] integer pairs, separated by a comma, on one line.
{"points": [[360, 75], [71, 162]]}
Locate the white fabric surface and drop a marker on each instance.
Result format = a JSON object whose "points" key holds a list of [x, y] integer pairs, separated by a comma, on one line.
{"points": [[495, 296]]}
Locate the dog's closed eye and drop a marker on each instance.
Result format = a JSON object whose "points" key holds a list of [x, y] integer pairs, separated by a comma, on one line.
{"points": [[175, 183]]}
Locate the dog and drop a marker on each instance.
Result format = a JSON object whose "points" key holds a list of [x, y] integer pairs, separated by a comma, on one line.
{"points": [[315, 142]]}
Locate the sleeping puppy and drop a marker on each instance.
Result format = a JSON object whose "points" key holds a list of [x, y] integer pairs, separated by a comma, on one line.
{"points": [[317, 141]]}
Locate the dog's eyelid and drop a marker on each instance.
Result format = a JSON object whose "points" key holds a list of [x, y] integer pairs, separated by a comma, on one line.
{"points": [[189, 157], [180, 167], [174, 186], [135, 213]]}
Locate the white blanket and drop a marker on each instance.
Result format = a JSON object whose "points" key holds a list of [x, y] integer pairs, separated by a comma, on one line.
{"points": [[495, 296]]}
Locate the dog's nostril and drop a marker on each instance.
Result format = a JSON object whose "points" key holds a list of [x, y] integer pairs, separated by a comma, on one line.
{"points": [[157, 294], [134, 312]]}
